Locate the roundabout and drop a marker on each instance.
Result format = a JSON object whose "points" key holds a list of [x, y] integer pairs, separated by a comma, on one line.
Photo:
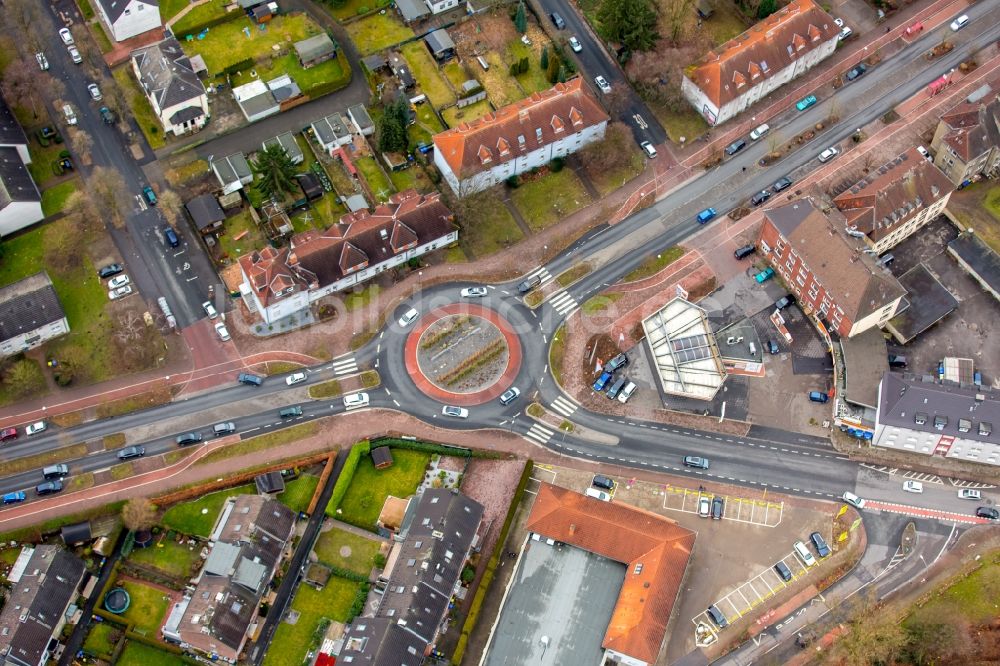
{"points": [[463, 354]]}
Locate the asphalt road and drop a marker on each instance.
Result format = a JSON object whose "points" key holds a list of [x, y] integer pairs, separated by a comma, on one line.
{"points": [[594, 60]]}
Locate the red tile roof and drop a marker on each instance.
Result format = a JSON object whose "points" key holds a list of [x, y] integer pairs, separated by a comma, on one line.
{"points": [[973, 127], [767, 48], [892, 194], [515, 129], [654, 549]]}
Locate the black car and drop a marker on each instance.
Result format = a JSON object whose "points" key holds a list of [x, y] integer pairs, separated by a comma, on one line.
{"points": [[718, 504], [617, 387], [782, 184], [735, 147], [988, 512], [819, 544], [783, 571], [131, 452], [110, 270], [772, 347], [615, 363], [760, 197], [250, 380], [717, 617], [188, 438], [897, 361], [601, 481], [857, 72], [529, 284], [744, 252], [48, 487]]}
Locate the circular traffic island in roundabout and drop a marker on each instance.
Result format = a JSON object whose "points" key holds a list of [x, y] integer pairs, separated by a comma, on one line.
{"points": [[463, 354]]}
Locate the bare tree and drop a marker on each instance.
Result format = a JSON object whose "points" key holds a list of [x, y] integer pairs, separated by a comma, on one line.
{"points": [[83, 143], [677, 14], [129, 327], [20, 82], [617, 99], [139, 514], [610, 153], [170, 206], [108, 189], [81, 208], [22, 14]]}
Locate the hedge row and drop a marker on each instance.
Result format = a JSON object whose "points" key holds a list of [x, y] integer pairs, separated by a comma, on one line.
{"points": [[362, 448], [431, 447], [211, 23], [347, 573], [484, 583]]}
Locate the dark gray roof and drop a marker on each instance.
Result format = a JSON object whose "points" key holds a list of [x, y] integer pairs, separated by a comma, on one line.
{"points": [[926, 405], [15, 180], [315, 47], [260, 103], [11, 132], [233, 615], [866, 360], [402, 70], [166, 73], [205, 211], [411, 10], [381, 456], [232, 168], [288, 142], [272, 482], [276, 519], [374, 62], [379, 641], [359, 114], [186, 114], [439, 41], [77, 533], [311, 187], [27, 305], [115, 8], [331, 128], [979, 257], [928, 301]]}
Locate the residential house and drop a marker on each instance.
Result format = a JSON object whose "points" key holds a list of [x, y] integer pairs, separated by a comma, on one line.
{"points": [[125, 19], [256, 101], [832, 274], [332, 132], [283, 88], [280, 282], [519, 137], [441, 45], [966, 142], [438, 6], [401, 70], [174, 90], [248, 544], [233, 172], [923, 415], [291, 146], [44, 583], [20, 200], [892, 202], [412, 10], [30, 314], [730, 78], [423, 572], [362, 122], [314, 50], [206, 213]]}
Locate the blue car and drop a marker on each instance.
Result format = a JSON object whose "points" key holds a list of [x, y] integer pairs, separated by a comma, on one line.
{"points": [[706, 215], [14, 498], [818, 396], [171, 236], [602, 381], [764, 275], [805, 102]]}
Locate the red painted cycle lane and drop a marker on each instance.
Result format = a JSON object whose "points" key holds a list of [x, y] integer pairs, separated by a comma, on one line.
{"points": [[921, 512]]}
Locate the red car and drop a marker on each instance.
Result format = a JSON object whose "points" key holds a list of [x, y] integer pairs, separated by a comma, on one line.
{"points": [[8, 434]]}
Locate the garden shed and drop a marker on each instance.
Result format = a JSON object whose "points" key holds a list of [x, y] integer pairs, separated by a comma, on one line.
{"points": [[382, 457]]}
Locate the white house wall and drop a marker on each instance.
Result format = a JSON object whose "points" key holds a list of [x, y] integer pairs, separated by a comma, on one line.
{"points": [[198, 123], [918, 441], [32, 339], [439, 6], [138, 18], [878, 319], [19, 214]]}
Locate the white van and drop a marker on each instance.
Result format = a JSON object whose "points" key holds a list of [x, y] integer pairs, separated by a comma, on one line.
{"points": [[70, 115], [753, 349], [355, 400], [598, 494], [482, 63], [802, 551]]}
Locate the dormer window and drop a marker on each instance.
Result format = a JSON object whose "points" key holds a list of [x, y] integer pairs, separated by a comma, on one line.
{"points": [[739, 80], [485, 155], [538, 134], [557, 124], [503, 147], [920, 418], [940, 422]]}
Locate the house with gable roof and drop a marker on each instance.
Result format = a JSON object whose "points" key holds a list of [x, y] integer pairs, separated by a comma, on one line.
{"points": [[966, 142], [730, 78], [278, 282], [519, 137], [175, 92], [127, 18]]}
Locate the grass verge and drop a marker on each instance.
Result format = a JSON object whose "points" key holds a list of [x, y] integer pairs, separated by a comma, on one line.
{"points": [[599, 303], [574, 273], [158, 396], [123, 471], [139, 105], [330, 389], [263, 442], [653, 265], [37, 460], [370, 379], [557, 350], [113, 441]]}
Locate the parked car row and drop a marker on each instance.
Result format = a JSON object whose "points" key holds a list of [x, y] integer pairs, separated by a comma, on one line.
{"points": [[10, 434], [621, 388]]}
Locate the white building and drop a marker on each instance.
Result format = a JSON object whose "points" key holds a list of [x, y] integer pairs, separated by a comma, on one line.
{"points": [[934, 418], [438, 6], [128, 18], [280, 282], [519, 137], [20, 200], [785, 45], [175, 92], [30, 315]]}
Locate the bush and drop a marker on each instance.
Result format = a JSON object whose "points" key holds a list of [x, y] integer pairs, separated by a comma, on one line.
{"points": [[239, 66], [513, 181], [362, 448], [557, 164]]}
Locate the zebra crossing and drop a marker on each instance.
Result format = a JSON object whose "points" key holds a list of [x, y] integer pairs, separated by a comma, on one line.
{"points": [[345, 366], [541, 273], [564, 406], [540, 433], [563, 303]]}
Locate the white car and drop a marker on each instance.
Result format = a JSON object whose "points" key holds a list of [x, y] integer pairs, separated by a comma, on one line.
{"points": [[43, 62], [626, 392], [95, 92], [120, 292], [828, 154], [648, 148], [845, 32], [574, 44], [66, 36], [474, 292], [704, 507], [853, 500], [912, 486], [457, 412], [222, 331], [295, 378], [759, 131], [970, 493], [603, 84], [35, 428], [960, 22], [118, 281], [408, 317], [74, 54], [209, 309], [839, 22]]}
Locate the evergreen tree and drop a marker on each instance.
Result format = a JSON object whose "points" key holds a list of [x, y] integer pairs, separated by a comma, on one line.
{"points": [[545, 58], [392, 128], [632, 23], [521, 18], [274, 172]]}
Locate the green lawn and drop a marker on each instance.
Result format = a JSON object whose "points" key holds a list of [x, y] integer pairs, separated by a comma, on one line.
{"points": [[609, 181], [42, 159], [227, 43], [99, 638], [139, 105], [493, 228], [535, 79], [426, 126], [455, 72], [413, 178], [354, 300], [233, 227], [314, 79], [380, 186], [500, 86], [370, 487], [351, 8], [550, 198], [147, 608], [139, 654], [168, 556], [9, 555], [687, 123], [292, 641], [377, 32], [425, 70], [973, 598], [454, 115], [361, 558], [299, 493], [103, 43], [171, 8], [655, 263], [54, 198], [198, 16], [724, 24], [188, 518]]}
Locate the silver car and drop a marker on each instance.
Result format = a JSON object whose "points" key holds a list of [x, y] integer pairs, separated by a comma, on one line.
{"points": [[408, 317]]}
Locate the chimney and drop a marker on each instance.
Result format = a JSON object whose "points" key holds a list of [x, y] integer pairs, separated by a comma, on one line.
{"points": [[572, 529]]}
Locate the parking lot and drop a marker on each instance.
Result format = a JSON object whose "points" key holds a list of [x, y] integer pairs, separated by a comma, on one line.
{"points": [[733, 558]]}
